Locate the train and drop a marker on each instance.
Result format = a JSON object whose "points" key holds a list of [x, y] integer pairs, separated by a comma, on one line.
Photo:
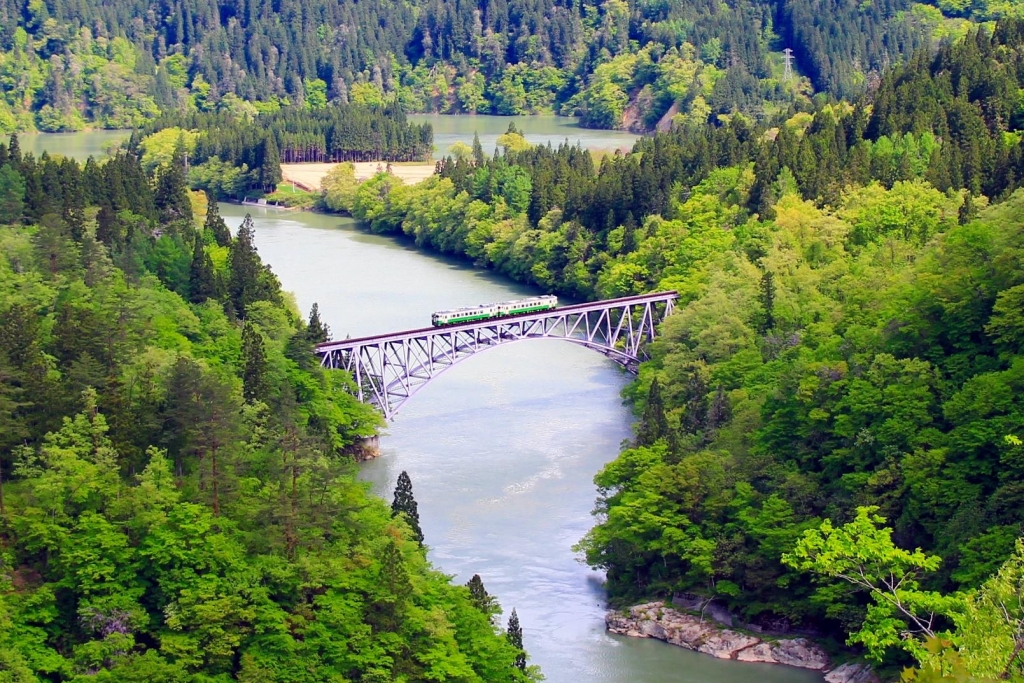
{"points": [[489, 311]]}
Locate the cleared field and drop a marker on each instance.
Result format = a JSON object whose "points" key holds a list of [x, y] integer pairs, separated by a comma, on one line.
{"points": [[308, 176]]}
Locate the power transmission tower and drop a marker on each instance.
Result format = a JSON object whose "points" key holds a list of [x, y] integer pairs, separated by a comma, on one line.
{"points": [[789, 64]]}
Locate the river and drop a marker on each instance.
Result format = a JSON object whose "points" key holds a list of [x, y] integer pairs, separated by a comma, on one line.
{"points": [[502, 449]]}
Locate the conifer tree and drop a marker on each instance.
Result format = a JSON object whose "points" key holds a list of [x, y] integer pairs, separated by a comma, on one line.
{"points": [[768, 301], [254, 370], [171, 197], [514, 633], [12, 195], [317, 332], [270, 164], [215, 224], [478, 151], [14, 150], [482, 600], [106, 226], [653, 423], [404, 504], [246, 266], [202, 283], [73, 205]]}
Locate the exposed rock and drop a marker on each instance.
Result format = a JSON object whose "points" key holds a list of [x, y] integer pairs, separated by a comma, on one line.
{"points": [[762, 652], [852, 672], [665, 122], [800, 652], [655, 620]]}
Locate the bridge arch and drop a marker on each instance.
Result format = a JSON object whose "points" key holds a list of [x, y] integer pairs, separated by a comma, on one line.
{"points": [[389, 369]]}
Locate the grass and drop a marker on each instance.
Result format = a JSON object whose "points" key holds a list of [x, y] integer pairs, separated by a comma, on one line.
{"points": [[291, 196]]}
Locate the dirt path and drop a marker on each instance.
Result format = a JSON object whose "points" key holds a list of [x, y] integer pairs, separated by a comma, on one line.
{"points": [[307, 176]]}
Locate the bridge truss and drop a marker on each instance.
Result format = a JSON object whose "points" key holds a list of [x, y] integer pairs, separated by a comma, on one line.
{"points": [[389, 369]]}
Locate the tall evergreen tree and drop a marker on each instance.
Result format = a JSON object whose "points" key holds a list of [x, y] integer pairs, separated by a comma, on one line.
{"points": [[171, 197], [202, 282], [316, 331], [73, 196], [514, 633], [246, 268], [270, 164], [483, 601], [215, 223], [479, 158], [767, 302], [107, 228], [254, 360], [653, 424], [404, 504], [12, 195], [14, 150]]}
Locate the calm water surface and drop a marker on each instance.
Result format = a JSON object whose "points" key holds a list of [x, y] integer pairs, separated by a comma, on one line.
{"points": [[502, 449], [78, 145], [538, 130]]}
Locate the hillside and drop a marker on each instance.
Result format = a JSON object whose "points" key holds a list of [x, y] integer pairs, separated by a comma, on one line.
{"points": [[65, 66], [840, 384]]}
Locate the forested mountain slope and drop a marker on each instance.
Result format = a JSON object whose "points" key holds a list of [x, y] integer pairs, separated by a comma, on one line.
{"points": [[115, 64], [177, 495], [848, 336]]}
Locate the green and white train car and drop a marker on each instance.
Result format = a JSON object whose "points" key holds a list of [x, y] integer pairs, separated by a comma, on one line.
{"points": [[489, 311]]}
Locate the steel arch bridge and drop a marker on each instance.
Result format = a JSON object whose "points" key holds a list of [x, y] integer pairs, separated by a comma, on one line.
{"points": [[390, 368]]}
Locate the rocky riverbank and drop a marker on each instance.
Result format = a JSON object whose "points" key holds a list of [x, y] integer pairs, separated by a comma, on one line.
{"points": [[655, 620]]}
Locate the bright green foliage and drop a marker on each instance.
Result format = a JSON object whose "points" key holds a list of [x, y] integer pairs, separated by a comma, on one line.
{"points": [[863, 554], [339, 188], [158, 526]]}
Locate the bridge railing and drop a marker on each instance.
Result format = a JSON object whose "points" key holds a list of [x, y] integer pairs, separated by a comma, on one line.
{"points": [[390, 368]]}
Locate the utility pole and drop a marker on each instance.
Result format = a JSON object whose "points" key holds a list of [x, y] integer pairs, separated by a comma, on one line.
{"points": [[788, 75]]}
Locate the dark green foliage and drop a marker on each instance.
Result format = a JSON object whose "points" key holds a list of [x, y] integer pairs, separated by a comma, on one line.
{"points": [[202, 282], [768, 301], [482, 600], [12, 195], [316, 331], [254, 365], [171, 195], [514, 633], [404, 505], [158, 528], [214, 224], [249, 277], [653, 425]]}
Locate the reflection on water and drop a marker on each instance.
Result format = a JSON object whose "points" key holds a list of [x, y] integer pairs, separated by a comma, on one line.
{"points": [[502, 449], [538, 130], [79, 146]]}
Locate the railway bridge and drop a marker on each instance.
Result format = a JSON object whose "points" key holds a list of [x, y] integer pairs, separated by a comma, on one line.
{"points": [[390, 368]]}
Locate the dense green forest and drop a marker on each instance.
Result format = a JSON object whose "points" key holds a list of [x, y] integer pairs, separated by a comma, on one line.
{"points": [[616, 63], [841, 382], [230, 156], [177, 490]]}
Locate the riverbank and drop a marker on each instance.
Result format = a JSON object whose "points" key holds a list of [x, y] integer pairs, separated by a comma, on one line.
{"points": [[700, 634]]}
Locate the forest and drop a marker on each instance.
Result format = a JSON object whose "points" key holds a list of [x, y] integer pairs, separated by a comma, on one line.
{"points": [[615, 63], [178, 498], [829, 434]]}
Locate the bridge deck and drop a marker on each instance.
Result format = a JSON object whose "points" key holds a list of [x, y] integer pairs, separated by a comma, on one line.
{"points": [[327, 347]]}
